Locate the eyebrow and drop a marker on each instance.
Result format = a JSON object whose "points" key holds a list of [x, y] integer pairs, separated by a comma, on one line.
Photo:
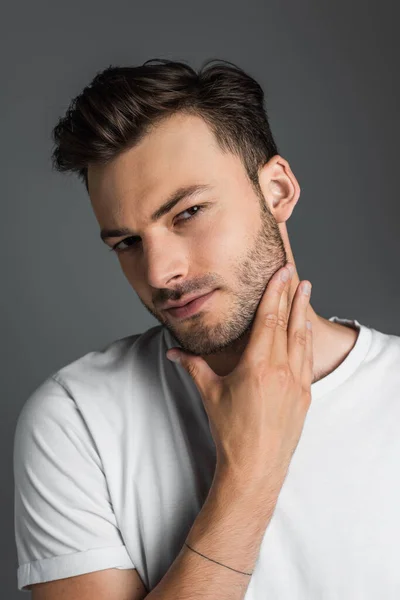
{"points": [[177, 196]]}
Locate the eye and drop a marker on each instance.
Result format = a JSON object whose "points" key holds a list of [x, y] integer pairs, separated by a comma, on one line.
{"points": [[116, 248]]}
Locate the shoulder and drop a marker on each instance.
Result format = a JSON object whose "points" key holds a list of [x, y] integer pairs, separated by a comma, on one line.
{"points": [[86, 390], [384, 346]]}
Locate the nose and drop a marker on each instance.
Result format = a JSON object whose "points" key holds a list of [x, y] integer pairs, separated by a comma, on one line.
{"points": [[164, 262]]}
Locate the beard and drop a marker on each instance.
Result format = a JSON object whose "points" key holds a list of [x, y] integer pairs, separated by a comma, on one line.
{"points": [[264, 255]]}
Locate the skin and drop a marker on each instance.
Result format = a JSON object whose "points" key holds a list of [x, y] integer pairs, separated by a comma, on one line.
{"points": [[232, 245]]}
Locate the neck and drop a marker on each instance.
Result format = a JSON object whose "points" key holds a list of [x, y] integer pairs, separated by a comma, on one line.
{"points": [[332, 342]]}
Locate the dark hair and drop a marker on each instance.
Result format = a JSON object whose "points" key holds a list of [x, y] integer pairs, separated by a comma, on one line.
{"points": [[121, 104]]}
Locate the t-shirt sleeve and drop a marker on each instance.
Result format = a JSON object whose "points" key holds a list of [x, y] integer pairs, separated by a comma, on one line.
{"points": [[64, 520]]}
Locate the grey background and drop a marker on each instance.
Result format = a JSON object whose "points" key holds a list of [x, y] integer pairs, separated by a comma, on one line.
{"points": [[330, 73]]}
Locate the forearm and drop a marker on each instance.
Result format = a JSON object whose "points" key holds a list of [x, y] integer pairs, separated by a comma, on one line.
{"points": [[228, 529]]}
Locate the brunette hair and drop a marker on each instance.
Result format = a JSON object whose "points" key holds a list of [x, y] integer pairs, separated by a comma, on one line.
{"points": [[120, 106]]}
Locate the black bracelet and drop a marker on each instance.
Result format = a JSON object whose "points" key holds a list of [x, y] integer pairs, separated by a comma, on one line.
{"points": [[218, 563]]}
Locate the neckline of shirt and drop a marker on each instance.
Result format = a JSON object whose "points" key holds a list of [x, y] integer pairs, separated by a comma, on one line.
{"points": [[350, 364]]}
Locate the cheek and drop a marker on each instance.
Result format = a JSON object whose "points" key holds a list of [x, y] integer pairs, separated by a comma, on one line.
{"points": [[221, 242]]}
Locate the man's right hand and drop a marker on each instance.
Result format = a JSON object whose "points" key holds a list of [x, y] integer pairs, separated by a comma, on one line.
{"points": [[257, 412]]}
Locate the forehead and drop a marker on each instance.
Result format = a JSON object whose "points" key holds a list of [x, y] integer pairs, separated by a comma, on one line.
{"points": [[179, 151]]}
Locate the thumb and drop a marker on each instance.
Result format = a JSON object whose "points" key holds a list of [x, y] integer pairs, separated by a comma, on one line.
{"points": [[197, 367]]}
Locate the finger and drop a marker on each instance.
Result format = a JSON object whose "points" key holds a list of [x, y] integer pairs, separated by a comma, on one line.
{"points": [[297, 337], [262, 332], [308, 364], [279, 353], [203, 376]]}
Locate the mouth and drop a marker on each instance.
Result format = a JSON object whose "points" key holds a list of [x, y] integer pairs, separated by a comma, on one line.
{"points": [[191, 307]]}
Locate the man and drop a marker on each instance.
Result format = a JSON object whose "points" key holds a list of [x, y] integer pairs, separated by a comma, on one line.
{"points": [[114, 457]]}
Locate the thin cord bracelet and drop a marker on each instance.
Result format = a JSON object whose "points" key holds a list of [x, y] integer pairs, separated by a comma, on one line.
{"points": [[218, 563]]}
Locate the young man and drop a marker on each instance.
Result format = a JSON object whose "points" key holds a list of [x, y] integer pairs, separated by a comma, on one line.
{"points": [[115, 454]]}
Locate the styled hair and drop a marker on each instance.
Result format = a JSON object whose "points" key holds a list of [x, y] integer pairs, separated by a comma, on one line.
{"points": [[120, 106]]}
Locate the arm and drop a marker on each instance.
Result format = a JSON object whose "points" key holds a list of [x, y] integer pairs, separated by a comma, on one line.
{"points": [[109, 584], [228, 529]]}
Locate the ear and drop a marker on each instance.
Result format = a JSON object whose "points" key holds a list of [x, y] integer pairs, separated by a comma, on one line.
{"points": [[280, 187]]}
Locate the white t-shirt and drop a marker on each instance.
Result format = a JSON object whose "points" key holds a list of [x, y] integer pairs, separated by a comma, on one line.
{"points": [[113, 459]]}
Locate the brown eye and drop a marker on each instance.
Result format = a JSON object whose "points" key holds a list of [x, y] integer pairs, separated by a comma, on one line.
{"points": [[187, 210], [116, 249]]}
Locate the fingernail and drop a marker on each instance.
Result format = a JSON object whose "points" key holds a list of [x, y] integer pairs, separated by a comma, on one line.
{"points": [[306, 288], [291, 269], [173, 357], [285, 275]]}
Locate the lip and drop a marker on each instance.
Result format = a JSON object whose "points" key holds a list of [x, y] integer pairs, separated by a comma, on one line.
{"points": [[170, 304], [191, 307]]}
